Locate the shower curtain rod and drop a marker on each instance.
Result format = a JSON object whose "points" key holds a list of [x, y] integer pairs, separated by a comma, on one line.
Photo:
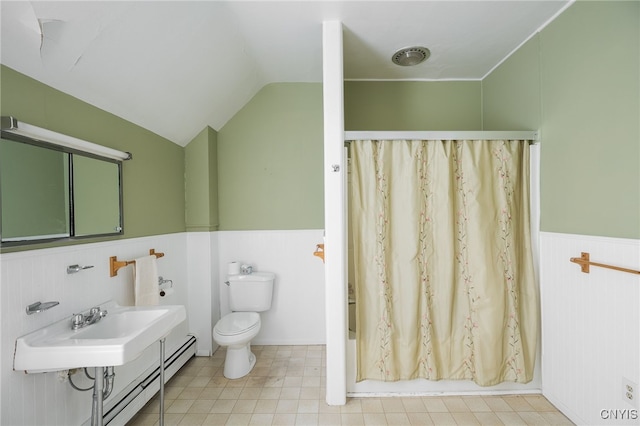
{"points": [[530, 135]]}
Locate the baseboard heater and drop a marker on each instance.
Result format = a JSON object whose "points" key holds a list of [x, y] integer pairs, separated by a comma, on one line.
{"points": [[133, 399]]}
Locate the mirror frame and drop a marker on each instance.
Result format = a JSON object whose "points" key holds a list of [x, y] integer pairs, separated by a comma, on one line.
{"points": [[5, 133]]}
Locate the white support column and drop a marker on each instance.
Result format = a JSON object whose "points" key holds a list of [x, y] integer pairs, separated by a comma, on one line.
{"points": [[334, 213]]}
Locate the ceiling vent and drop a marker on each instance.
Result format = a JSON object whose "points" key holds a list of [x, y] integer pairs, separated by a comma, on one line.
{"points": [[410, 56]]}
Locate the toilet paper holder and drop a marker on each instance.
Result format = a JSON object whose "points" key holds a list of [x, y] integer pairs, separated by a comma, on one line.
{"points": [[164, 290], [162, 281]]}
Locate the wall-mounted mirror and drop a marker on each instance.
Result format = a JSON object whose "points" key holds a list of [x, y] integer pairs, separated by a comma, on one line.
{"points": [[50, 192]]}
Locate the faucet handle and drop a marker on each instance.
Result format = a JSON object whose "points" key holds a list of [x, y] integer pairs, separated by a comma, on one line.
{"points": [[77, 320]]}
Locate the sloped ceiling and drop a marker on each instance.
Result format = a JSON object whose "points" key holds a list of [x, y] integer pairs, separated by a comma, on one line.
{"points": [[176, 67]]}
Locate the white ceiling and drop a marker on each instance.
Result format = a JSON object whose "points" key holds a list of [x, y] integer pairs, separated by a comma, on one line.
{"points": [[174, 67]]}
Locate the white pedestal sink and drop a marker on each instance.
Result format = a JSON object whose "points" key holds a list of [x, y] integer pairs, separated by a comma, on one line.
{"points": [[119, 337], [116, 339]]}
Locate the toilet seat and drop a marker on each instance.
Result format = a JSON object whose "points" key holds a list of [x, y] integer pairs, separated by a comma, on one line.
{"points": [[237, 323]]}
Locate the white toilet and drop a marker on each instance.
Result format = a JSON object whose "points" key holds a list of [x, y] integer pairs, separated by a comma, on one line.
{"points": [[248, 295]]}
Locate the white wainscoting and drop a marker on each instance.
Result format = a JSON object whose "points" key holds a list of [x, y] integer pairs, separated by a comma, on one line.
{"points": [[40, 275], [297, 316], [590, 328]]}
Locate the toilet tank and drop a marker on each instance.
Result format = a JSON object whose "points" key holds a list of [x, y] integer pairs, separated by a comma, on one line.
{"points": [[252, 292]]}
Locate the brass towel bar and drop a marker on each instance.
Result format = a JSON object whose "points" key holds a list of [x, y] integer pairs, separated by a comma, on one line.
{"points": [[115, 264], [584, 263]]}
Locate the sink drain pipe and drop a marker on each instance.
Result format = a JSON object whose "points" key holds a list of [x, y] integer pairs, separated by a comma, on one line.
{"points": [[103, 381]]}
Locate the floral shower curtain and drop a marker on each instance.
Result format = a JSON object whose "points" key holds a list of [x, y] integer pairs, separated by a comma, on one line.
{"points": [[444, 277]]}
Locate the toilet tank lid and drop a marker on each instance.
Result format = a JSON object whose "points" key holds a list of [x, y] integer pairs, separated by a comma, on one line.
{"points": [[255, 276]]}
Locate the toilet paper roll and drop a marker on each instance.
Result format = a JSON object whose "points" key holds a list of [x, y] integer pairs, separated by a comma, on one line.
{"points": [[234, 268], [166, 292]]}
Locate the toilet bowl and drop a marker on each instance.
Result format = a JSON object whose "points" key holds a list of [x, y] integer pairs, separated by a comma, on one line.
{"points": [[248, 295], [235, 331]]}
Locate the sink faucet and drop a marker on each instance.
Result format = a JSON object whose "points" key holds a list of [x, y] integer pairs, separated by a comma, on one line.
{"points": [[82, 320]]}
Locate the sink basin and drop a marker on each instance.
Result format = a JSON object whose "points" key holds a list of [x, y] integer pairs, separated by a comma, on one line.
{"points": [[118, 338]]}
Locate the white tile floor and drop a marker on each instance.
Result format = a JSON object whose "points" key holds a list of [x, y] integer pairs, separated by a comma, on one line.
{"points": [[287, 387]]}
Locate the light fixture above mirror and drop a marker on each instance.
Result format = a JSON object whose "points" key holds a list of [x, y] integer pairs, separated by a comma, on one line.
{"points": [[13, 126]]}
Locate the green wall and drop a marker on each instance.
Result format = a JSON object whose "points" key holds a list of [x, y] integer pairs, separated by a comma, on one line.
{"points": [[153, 181], [412, 105], [201, 182], [270, 154], [270, 157], [511, 93], [578, 81]]}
